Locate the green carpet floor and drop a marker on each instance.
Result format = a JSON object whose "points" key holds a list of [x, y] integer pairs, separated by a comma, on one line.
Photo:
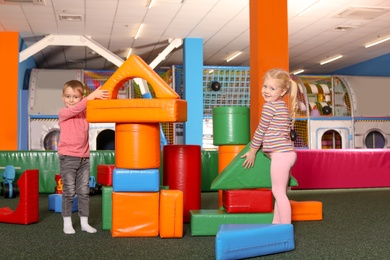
{"points": [[355, 226]]}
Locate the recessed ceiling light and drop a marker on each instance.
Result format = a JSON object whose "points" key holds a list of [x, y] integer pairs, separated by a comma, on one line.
{"points": [[233, 56], [380, 40], [331, 59], [295, 72]]}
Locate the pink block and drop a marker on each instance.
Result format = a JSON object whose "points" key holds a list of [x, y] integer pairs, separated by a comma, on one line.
{"points": [[342, 168]]}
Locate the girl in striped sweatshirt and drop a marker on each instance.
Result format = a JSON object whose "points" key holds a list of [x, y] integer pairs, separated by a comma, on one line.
{"points": [[273, 137]]}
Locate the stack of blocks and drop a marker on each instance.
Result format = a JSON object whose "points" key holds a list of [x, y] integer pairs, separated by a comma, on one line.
{"points": [[138, 208], [133, 206], [242, 225], [137, 205], [240, 199]]}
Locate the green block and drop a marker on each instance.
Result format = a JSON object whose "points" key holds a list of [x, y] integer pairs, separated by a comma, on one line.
{"points": [[106, 207], [206, 222], [209, 169], [235, 176]]}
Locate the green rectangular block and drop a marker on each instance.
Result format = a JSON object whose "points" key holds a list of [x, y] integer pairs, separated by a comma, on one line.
{"points": [[206, 222], [106, 207]]}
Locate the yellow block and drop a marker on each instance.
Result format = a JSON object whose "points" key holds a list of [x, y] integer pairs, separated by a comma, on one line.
{"points": [[171, 213], [135, 214], [137, 111]]}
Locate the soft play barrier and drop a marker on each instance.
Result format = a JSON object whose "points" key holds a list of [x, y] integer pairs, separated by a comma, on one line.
{"points": [[48, 165], [342, 168], [314, 169]]}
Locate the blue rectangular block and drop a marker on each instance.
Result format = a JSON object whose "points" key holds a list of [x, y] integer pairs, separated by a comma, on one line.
{"points": [[237, 241], [128, 180], [55, 203]]}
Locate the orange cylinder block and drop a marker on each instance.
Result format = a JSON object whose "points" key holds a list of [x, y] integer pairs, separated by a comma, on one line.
{"points": [[137, 146], [226, 154]]}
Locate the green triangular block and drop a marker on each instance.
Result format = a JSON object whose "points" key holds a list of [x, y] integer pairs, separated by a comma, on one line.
{"points": [[234, 176]]}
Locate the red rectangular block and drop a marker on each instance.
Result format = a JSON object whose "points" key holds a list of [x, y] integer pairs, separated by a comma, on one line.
{"points": [[247, 201], [104, 174]]}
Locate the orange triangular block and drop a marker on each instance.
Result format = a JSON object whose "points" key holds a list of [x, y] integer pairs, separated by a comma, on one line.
{"points": [[234, 176], [135, 67]]}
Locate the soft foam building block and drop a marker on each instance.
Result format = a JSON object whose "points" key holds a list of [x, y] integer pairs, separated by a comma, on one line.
{"points": [[136, 67], [248, 201], [128, 180], [306, 210], [166, 107], [234, 176], [238, 241], [27, 211], [137, 146], [138, 110], [205, 222], [104, 174], [171, 213], [55, 203], [106, 207], [135, 214]]}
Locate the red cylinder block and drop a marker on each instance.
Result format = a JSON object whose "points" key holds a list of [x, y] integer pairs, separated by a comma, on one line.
{"points": [[182, 168]]}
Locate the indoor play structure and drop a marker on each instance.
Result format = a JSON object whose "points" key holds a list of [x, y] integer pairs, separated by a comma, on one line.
{"points": [[335, 112], [342, 112], [166, 205]]}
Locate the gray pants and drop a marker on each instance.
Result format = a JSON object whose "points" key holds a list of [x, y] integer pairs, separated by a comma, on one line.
{"points": [[75, 181]]}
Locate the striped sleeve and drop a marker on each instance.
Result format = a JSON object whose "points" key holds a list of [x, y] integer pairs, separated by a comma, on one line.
{"points": [[266, 118]]}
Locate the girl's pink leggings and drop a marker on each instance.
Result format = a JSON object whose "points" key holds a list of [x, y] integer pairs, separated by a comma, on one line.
{"points": [[281, 164]]}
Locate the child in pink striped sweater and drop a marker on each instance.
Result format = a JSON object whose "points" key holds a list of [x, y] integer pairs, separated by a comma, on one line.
{"points": [[273, 137]]}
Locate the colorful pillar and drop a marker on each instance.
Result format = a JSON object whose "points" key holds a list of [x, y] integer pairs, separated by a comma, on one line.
{"points": [[268, 47], [193, 89], [9, 63]]}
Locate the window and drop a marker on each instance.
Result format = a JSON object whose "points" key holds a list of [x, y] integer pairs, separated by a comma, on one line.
{"points": [[375, 139]]}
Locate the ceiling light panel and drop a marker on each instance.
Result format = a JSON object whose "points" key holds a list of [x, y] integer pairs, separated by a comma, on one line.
{"points": [[71, 17]]}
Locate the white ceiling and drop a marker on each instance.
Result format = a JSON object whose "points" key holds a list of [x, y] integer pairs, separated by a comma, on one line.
{"points": [[222, 24]]}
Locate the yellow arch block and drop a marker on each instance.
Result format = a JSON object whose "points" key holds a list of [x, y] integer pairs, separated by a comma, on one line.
{"points": [[135, 67]]}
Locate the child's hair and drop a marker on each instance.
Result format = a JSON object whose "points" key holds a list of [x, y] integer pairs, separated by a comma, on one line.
{"points": [[75, 85], [287, 84]]}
